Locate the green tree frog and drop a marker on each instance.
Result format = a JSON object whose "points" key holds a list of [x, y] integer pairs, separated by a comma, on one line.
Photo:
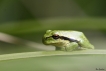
{"points": [[66, 40]]}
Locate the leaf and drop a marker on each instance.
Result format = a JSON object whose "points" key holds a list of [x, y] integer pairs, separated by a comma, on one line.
{"points": [[86, 60], [49, 53]]}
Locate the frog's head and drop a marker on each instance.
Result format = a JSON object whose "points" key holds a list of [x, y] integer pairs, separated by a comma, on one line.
{"points": [[52, 37]]}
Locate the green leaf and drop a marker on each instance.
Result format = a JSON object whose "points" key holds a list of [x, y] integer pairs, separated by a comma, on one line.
{"points": [[86, 60]]}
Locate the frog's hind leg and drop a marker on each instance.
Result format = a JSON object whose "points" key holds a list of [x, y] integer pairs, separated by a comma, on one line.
{"points": [[80, 47], [72, 40], [78, 42], [85, 46]]}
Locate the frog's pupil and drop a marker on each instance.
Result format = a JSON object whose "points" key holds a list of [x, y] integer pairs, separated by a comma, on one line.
{"points": [[55, 36]]}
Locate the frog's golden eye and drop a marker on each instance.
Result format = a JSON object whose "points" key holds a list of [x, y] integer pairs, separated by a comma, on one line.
{"points": [[55, 36]]}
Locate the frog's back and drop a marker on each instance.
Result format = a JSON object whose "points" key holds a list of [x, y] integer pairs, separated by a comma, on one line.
{"points": [[70, 34]]}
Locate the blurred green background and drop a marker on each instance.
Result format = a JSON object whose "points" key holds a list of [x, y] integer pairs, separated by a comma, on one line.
{"points": [[29, 19]]}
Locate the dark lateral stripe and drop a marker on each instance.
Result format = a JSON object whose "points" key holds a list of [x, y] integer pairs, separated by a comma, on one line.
{"points": [[65, 38], [69, 39]]}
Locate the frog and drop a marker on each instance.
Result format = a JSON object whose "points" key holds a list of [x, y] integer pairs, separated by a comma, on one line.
{"points": [[67, 40]]}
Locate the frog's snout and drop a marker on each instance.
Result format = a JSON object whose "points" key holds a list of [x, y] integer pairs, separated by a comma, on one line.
{"points": [[44, 40]]}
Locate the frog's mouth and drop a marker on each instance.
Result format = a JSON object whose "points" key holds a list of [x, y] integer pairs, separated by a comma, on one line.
{"points": [[47, 40]]}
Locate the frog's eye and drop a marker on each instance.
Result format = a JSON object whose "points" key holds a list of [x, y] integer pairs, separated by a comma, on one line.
{"points": [[55, 36]]}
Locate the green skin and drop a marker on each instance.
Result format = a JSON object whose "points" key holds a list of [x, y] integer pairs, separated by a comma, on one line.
{"points": [[65, 44]]}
